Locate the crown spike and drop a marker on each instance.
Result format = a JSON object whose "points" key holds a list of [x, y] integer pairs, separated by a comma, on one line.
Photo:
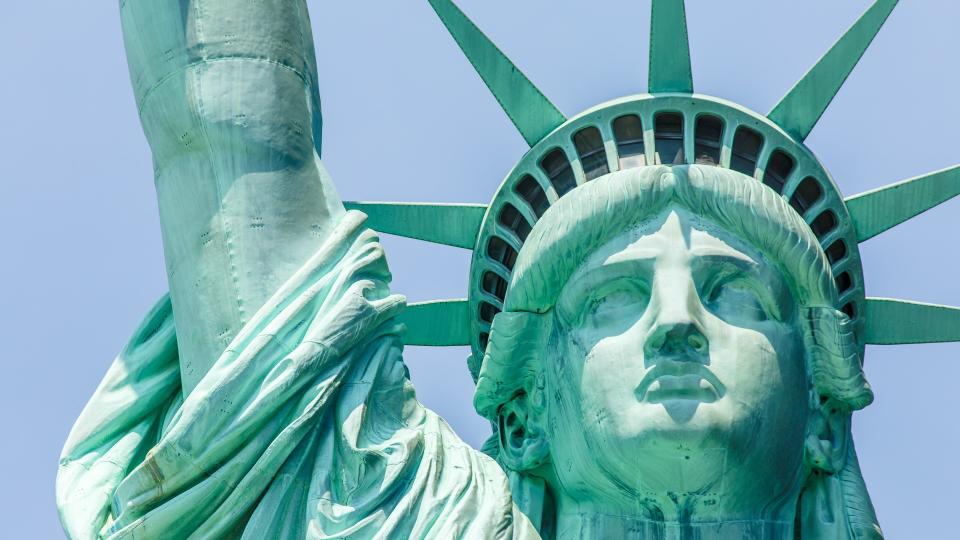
{"points": [[454, 225], [437, 323], [800, 110], [880, 209], [899, 322], [669, 69], [529, 110]]}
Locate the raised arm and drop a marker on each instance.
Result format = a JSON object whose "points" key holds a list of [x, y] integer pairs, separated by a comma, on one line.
{"points": [[307, 426], [228, 99]]}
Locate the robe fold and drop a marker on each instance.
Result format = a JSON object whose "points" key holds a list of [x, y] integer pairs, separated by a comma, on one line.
{"points": [[307, 426]]}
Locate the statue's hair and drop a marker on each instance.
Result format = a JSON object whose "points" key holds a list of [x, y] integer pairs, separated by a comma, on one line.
{"points": [[595, 213], [834, 361]]}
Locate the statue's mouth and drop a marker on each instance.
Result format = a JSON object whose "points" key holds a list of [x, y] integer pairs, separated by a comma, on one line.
{"points": [[672, 380]]}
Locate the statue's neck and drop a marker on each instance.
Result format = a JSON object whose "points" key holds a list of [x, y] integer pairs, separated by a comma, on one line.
{"points": [[740, 505], [648, 521], [594, 525]]}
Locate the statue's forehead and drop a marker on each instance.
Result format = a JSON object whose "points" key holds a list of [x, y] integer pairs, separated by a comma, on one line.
{"points": [[675, 241], [675, 235]]}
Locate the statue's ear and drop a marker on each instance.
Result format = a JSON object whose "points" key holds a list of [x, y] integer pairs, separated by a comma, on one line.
{"points": [[523, 442], [834, 502], [839, 386], [827, 434]]}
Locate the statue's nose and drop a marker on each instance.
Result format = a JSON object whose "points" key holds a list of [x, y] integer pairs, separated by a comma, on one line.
{"points": [[680, 339], [677, 331]]}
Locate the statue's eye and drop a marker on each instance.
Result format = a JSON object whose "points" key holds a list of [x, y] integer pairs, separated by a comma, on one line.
{"points": [[615, 304], [737, 297]]}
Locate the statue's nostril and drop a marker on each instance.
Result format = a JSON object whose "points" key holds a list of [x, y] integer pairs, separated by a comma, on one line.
{"points": [[657, 342], [697, 342]]}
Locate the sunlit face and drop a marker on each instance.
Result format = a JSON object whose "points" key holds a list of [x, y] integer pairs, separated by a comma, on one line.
{"points": [[681, 369]]}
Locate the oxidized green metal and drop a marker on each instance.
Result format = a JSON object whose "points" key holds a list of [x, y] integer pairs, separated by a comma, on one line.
{"points": [[669, 49], [802, 107], [878, 210], [647, 107], [436, 323], [528, 109], [667, 312], [899, 321], [448, 224]]}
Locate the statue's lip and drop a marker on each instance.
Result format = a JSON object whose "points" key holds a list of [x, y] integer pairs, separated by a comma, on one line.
{"points": [[680, 379]]}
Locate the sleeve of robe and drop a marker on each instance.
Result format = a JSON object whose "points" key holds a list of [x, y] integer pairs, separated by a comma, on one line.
{"points": [[306, 427]]}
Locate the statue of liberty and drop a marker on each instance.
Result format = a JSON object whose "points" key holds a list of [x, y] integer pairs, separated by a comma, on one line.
{"points": [[666, 312]]}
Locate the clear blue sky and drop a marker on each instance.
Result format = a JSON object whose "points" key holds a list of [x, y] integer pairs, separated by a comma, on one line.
{"points": [[407, 119]]}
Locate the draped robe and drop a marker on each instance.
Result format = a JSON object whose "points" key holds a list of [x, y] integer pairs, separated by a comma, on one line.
{"points": [[307, 426]]}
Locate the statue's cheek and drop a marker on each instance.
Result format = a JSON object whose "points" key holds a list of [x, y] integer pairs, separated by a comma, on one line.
{"points": [[609, 376], [757, 367]]}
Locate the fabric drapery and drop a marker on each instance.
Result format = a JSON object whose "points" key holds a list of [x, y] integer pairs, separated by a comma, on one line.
{"points": [[306, 427]]}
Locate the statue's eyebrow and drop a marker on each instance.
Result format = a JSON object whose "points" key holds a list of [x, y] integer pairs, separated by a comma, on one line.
{"points": [[584, 281], [615, 266], [712, 263], [770, 286], [723, 252], [726, 260]]}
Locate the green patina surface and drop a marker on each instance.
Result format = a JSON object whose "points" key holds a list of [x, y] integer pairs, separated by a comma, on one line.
{"points": [[799, 111], [878, 210], [895, 322], [448, 224], [708, 314], [529, 110], [436, 323], [669, 49]]}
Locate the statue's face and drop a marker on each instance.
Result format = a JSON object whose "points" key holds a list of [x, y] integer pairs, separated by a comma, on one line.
{"points": [[681, 370]]}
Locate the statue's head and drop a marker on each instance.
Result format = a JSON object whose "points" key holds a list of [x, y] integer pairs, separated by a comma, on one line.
{"points": [[675, 343], [671, 349]]}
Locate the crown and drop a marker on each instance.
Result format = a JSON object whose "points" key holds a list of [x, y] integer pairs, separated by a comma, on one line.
{"points": [[669, 125]]}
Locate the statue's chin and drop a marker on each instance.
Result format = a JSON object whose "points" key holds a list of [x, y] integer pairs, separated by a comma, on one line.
{"points": [[679, 444], [697, 419], [684, 412], [680, 453]]}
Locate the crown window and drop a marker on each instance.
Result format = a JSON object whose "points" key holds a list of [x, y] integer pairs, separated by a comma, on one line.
{"points": [[501, 252], [628, 131], [708, 138], [668, 132], [746, 150], [512, 219], [593, 157], [825, 222], [529, 190], [843, 282], [558, 170], [494, 284], [806, 195], [487, 312], [836, 251], [778, 170]]}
